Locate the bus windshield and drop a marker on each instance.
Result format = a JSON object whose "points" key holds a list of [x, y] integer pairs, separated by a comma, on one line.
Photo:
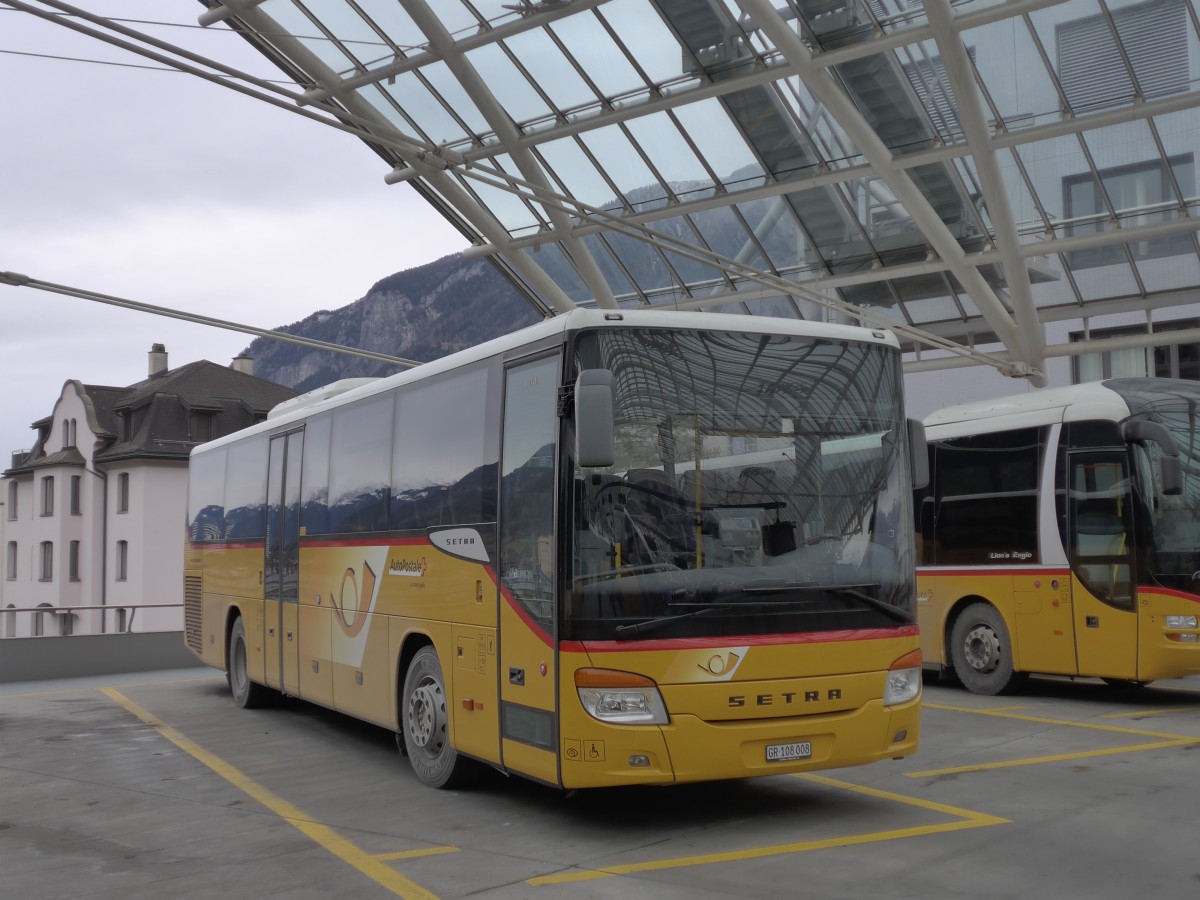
{"points": [[1173, 521], [758, 488]]}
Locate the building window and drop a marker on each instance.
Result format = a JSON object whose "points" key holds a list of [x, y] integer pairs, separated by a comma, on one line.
{"points": [[122, 560], [1154, 37], [48, 495], [1141, 194], [10, 561], [202, 426], [123, 492], [10, 621], [39, 618], [122, 621], [46, 572], [12, 501], [66, 624], [927, 75], [73, 561], [76, 495], [1164, 361]]}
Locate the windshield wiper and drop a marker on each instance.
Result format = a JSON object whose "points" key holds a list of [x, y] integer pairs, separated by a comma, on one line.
{"points": [[841, 592], [624, 632], [845, 592], [696, 610]]}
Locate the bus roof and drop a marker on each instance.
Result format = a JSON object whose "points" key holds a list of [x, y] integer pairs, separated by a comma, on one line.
{"points": [[1093, 400], [575, 320]]}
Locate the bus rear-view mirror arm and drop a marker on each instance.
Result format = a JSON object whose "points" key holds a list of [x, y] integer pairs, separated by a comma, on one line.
{"points": [[595, 442], [918, 454], [1170, 467]]}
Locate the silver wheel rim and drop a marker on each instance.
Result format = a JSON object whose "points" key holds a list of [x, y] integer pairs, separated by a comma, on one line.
{"points": [[981, 647], [239, 665], [427, 717]]}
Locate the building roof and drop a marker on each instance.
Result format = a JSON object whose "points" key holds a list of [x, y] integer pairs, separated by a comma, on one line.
{"points": [[961, 171], [164, 413]]}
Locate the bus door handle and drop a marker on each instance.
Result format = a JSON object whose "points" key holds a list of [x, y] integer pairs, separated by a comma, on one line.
{"points": [[289, 635]]}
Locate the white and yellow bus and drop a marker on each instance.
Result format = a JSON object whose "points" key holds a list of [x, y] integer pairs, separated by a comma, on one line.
{"points": [[614, 548], [1060, 534]]}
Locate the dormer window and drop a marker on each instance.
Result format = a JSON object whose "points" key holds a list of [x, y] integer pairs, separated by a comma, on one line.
{"points": [[202, 426]]}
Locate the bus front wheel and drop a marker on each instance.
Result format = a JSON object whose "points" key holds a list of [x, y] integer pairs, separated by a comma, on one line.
{"points": [[981, 650], [425, 724], [246, 693]]}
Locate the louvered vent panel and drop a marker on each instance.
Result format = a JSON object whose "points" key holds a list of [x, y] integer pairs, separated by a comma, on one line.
{"points": [[191, 612]]}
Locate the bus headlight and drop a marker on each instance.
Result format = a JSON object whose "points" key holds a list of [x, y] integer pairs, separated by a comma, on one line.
{"points": [[1181, 621], [621, 698], [903, 679]]}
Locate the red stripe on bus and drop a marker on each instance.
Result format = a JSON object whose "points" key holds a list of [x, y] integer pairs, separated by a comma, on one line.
{"points": [[367, 542], [1052, 571], [1169, 592], [752, 640], [230, 545]]}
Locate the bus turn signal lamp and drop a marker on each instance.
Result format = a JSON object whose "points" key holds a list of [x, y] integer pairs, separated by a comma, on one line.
{"points": [[621, 698], [903, 679]]}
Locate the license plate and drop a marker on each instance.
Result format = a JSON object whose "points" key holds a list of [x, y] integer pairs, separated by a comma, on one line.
{"points": [[788, 752]]}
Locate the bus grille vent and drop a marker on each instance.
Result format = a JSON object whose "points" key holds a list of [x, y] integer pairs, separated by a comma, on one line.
{"points": [[191, 612]]}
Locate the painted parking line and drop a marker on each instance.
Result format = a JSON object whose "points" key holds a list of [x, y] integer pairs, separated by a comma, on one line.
{"points": [[371, 865], [1159, 740], [962, 819]]}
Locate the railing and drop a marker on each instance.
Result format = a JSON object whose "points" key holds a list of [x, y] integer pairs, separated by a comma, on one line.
{"points": [[88, 619]]}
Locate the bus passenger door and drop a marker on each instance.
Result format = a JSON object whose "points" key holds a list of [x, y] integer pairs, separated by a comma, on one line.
{"points": [[282, 563], [1100, 540], [528, 721]]}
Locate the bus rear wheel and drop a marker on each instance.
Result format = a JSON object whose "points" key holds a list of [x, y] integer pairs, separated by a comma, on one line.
{"points": [[981, 650], [246, 693], [425, 725]]}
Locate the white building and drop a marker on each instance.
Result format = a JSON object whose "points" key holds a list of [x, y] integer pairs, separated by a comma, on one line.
{"points": [[93, 516]]}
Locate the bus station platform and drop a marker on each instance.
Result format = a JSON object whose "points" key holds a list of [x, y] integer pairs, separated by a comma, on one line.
{"points": [[153, 785]]}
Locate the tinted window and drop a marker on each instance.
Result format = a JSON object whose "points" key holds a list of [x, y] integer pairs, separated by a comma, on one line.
{"points": [[206, 496], [360, 463], [443, 472], [246, 490], [985, 500], [314, 500]]}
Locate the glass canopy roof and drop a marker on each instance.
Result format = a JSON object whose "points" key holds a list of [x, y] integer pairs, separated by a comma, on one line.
{"points": [[962, 172]]}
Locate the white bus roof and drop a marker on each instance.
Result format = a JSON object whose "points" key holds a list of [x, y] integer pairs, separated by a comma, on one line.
{"points": [[323, 398], [1076, 403]]}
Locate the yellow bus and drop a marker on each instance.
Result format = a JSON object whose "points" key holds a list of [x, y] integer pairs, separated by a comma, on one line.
{"points": [[1060, 534], [613, 548]]}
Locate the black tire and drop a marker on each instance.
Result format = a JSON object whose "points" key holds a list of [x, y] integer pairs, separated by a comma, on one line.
{"points": [[246, 693], [981, 651], [425, 725]]}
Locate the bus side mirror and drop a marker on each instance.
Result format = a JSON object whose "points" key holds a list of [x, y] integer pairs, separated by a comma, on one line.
{"points": [[595, 440], [918, 454], [1170, 467]]}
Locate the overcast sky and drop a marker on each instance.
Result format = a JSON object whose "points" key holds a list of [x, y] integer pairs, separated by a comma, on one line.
{"points": [[165, 189]]}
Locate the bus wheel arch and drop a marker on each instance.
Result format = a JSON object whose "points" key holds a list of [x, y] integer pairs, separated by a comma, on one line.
{"points": [[424, 719], [980, 647]]}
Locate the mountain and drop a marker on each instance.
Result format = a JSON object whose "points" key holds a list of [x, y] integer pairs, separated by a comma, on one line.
{"points": [[421, 314]]}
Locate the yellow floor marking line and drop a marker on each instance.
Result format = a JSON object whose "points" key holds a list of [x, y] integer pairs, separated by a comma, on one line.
{"points": [[1150, 712], [1044, 720], [350, 853], [415, 854], [1161, 741], [1058, 757], [966, 819]]}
